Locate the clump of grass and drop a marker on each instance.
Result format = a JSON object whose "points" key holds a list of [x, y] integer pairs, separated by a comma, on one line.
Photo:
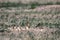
{"points": [[34, 4], [31, 35], [10, 4], [57, 3], [20, 4]]}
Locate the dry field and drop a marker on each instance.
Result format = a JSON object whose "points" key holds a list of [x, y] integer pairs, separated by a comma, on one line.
{"points": [[29, 1], [15, 20]]}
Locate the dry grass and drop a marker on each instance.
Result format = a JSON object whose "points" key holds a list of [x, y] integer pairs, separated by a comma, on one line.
{"points": [[33, 34], [28, 1], [48, 16]]}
